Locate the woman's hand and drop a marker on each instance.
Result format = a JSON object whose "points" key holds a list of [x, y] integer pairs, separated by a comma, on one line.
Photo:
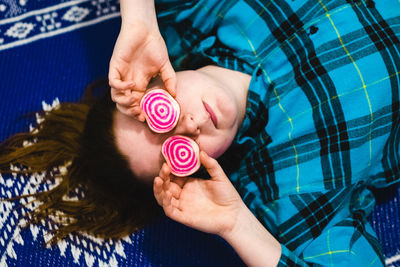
{"points": [[139, 54], [210, 206], [214, 206]]}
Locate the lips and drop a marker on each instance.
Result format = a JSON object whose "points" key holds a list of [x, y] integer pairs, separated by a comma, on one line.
{"points": [[212, 114]]}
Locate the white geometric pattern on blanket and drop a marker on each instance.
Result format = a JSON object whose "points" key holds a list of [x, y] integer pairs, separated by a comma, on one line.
{"points": [[11, 8], [393, 261], [20, 30], [54, 20], [76, 14], [84, 248]]}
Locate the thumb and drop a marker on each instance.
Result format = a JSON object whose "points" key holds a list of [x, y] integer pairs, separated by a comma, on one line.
{"points": [[212, 166], [141, 82], [169, 78]]}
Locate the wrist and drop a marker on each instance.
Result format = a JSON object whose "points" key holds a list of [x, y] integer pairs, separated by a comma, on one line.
{"points": [[252, 241], [146, 25], [148, 21], [243, 224], [134, 12]]}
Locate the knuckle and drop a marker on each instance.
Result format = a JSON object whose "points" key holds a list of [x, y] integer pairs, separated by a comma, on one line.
{"points": [[114, 97], [213, 163]]}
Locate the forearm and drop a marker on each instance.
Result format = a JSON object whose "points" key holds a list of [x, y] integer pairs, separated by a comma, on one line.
{"points": [[142, 10], [252, 242]]}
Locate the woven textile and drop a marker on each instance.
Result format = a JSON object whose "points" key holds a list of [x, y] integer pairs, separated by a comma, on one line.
{"points": [[49, 51]]}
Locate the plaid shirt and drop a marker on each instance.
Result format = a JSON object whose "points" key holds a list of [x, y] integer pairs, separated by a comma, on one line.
{"points": [[322, 121]]}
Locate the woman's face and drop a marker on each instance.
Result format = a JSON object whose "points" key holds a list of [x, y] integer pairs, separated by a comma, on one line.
{"points": [[209, 115]]}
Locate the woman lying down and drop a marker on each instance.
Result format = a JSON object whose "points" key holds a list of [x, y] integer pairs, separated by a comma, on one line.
{"points": [[291, 184], [115, 158]]}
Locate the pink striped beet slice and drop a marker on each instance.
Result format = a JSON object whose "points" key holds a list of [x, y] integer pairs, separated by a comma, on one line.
{"points": [[181, 154], [161, 110]]}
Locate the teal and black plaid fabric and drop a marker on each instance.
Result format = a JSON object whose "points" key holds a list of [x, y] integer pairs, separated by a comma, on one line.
{"points": [[322, 123]]}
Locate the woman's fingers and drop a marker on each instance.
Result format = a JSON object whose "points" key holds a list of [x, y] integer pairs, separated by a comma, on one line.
{"points": [[127, 102], [142, 81], [163, 185], [168, 205], [128, 94], [180, 181], [171, 208], [141, 117], [121, 85], [168, 76], [212, 166], [157, 189], [115, 79], [126, 97], [165, 171]]}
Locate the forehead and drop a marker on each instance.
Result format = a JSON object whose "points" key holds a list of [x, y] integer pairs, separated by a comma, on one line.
{"points": [[186, 80], [141, 147]]}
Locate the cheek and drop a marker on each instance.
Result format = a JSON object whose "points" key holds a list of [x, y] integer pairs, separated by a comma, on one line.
{"points": [[228, 109], [188, 101]]}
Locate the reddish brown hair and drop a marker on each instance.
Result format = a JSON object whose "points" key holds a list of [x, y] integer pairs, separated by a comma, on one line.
{"points": [[80, 136]]}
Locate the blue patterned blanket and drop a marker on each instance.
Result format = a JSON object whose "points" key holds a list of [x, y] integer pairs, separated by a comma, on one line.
{"points": [[49, 51]]}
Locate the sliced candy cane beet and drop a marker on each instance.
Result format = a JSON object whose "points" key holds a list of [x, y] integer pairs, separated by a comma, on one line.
{"points": [[161, 110], [181, 154]]}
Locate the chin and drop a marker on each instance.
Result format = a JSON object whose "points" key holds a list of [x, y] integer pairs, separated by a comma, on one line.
{"points": [[216, 153]]}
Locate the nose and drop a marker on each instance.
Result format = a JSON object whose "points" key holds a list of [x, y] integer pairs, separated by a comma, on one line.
{"points": [[187, 126]]}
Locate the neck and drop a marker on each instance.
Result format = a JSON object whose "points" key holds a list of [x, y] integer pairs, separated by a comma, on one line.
{"points": [[237, 82]]}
